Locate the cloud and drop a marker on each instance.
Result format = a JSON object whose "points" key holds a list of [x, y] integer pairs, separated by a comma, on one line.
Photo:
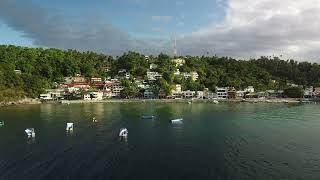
{"points": [[264, 27], [54, 30], [161, 18]]}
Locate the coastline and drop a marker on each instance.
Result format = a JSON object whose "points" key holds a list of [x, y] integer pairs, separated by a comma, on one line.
{"points": [[30, 101], [288, 100], [25, 101]]}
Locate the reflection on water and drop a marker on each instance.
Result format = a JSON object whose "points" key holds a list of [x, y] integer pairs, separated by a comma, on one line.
{"points": [[215, 141]]}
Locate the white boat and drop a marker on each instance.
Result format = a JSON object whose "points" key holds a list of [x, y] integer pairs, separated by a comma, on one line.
{"points": [[123, 132], [174, 121], [1, 123], [94, 119], [30, 132], [69, 127], [215, 102]]}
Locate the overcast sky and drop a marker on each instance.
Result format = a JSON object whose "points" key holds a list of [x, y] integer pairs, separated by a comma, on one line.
{"points": [[237, 28]]}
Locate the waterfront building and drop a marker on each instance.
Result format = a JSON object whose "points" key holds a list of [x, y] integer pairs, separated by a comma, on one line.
{"points": [[148, 92], [176, 92], [87, 97], [249, 89], [188, 94], [232, 93], [97, 96], [222, 92], [308, 92], [240, 94]]}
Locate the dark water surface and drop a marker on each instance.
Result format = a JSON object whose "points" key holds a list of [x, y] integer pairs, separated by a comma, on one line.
{"points": [[225, 141]]}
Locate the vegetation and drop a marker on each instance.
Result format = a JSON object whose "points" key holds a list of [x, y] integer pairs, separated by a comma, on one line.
{"points": [[41, 68], [293, 92]]}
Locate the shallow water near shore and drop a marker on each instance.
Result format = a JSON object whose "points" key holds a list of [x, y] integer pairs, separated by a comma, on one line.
{"points": [[223, 141]]}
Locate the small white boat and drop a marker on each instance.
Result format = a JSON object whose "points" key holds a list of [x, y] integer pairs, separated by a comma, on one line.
{"points": [[94, 119], [69, 127], [175, 121], [123, 132], [30, 132], [1, 123], [189, 102]]}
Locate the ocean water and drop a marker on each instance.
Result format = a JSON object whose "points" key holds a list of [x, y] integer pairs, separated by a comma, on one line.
{"points": [[223, 141]]}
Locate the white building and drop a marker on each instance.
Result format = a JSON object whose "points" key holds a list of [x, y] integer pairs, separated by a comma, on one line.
{"points": [[193, 75], [177, 72], [152, 76], [200, 95], [308, 92], [97, 96], [127, 75], [211, 95], [240, 94], [177, 92], [179, 62], [87, 97], [188, 94], [249, 89], [46, 96], [222, 92]]}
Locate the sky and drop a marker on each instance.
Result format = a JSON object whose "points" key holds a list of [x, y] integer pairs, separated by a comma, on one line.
{"points": [[237, 28]]}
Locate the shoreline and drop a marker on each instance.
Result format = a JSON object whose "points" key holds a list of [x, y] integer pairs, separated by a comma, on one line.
{"points": [[25, 101], [30, 101], [182, 101]]}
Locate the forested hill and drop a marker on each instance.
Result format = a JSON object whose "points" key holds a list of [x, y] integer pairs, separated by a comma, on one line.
{"points": [[40, 68]]}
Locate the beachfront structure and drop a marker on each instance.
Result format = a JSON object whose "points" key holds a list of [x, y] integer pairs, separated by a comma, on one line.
{"points": [[115, 86], [87, 97], [152, 76], [188, 94], [179, 62], [148, 92], [52, 94], [308, 92], [222, 92], [232, 93], [177, 92], [200, 94], [249, 89], [316, 91], [93, 96], [240, 94], [97, 96]]}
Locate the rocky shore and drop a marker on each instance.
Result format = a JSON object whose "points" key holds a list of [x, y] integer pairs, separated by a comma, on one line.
{"points": [[20, 102]]}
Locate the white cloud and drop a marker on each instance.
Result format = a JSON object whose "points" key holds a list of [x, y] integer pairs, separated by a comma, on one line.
{"points": [[264, 27]]}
